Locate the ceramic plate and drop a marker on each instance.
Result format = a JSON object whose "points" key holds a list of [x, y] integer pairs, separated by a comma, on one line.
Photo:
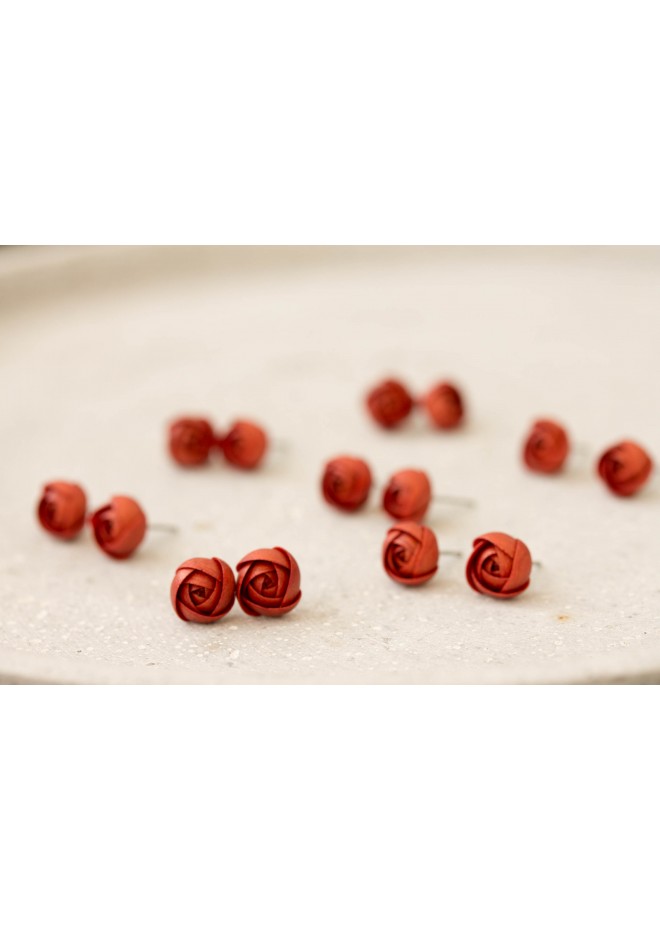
{"points": [[101, 347]]}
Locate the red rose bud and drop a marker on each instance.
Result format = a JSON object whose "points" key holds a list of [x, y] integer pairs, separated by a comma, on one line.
{"points": [[389, 403], [407, 495], [346, 482], [410, 553], [203, 590], [244, 445], [444, 405], [190, 440], [499, 565], [61, 510], [625, 468], [119, 527], [546, 448], [268, 582]]}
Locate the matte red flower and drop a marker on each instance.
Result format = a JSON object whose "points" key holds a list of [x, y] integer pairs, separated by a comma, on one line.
{"points": [[268, 582], [203, 590], [499, 565], [190, 440], [119, 527], [407, 495], [346, 482], [625, 468], [244, 445], [444, 405], [546, 448], [410, 553], [389, 403], [61, 510]]}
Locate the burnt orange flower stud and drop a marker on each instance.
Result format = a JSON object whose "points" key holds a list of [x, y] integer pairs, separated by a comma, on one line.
{"points": [[407, 495], [546, 447], [444, 405], [625, 468], [268, 582], [389, 403], [244, 446], [61, 509], [410, 553], [346, 482], [190, 440], [203, 590], [499, 565], [119, 527]]}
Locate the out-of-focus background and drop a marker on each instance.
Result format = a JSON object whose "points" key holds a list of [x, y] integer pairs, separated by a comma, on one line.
{"points": [[101, 347]]}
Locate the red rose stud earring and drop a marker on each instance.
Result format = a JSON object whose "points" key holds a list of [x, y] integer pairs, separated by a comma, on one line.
{"points": [[546, 447], [203, 590], [407, 495], [410, 553], [268, 582], [625, 468], [346, 482], [244, 446], [389, 403], [119, 527], [499, 565], [190, 440], [444, 406], [62, 508]]}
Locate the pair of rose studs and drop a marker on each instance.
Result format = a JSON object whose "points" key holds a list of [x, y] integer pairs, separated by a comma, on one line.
{"points": [[390, 403], [191, 440], [118, 527], [625, 467], [267, 584], [499, 565], [347, 481]]}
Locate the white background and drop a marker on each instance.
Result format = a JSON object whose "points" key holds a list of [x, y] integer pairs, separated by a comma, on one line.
{"points": [[309, 122], [353, 121]]}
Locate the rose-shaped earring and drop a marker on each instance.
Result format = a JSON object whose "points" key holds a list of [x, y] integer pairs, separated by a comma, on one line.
{"points": [[499, 565], [407, 495], [190, 440], [625, 468], [444, 405], [346, 482], [546, 447], [410, 553], [62, 508], [203, 590], [389, 403], [268, 582], [244, 445], [119, 527]]}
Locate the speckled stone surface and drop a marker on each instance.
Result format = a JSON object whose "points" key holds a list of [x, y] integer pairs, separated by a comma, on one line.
{"points": [[99, 348]]}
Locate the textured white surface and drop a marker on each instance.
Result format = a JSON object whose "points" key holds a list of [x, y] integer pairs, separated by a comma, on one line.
{"points": [[100, 348]]}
